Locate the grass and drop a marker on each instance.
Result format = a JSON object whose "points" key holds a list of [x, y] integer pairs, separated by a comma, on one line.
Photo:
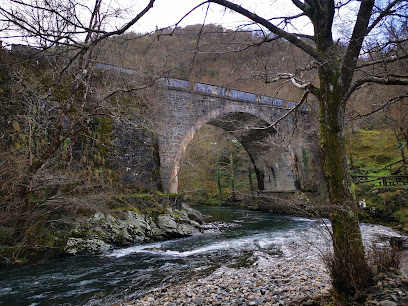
{"points": [[372, 151], [402, 217]]}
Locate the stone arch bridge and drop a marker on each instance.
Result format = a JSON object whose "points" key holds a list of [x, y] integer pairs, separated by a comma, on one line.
{"points": [[284, 155]]}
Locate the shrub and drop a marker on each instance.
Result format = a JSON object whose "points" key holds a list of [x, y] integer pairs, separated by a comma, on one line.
{"points": [[356, 272], [384, 258]]}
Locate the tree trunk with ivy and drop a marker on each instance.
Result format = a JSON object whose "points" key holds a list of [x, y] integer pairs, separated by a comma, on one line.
{"points": [[232, 177], [348, 267], [219, 177]]}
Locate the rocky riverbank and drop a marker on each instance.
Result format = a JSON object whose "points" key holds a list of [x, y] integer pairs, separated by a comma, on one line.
{"points": [[263, 283], [104, 231], [282, 284], [389, 288], [299, 277]]}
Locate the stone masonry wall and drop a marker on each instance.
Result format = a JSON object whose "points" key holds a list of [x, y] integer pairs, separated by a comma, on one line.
{"points": [[286, 156], [135, 158], [187, 110]]}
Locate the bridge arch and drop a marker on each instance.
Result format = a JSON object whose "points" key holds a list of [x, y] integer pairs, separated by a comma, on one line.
{"points": [[183, 106], [272, 162]]}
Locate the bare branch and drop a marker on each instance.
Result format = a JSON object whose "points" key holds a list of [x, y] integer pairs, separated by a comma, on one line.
{"points": [[294, 109], [274, 29], [388, 103], [391, 59], [384, 13], [299, 4], [126, 26], [390, 80], [356, 41]]}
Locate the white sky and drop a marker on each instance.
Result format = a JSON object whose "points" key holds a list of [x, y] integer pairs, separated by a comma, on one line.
{"points": [[169, 12]]}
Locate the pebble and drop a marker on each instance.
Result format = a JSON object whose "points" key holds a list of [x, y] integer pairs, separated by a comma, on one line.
{"points": [[270, 281], [391, 291], [228, 286], [276, 280]]}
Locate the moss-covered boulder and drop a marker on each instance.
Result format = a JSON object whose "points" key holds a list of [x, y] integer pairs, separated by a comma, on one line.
{"points": [[78, 246], [102, 231]]}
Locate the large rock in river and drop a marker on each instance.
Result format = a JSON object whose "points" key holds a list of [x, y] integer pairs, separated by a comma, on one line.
{"points": [[102, 231], [78, 246], [176, 223]]}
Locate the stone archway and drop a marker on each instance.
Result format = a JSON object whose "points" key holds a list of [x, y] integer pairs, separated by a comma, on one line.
{"points": [[271, 161]]}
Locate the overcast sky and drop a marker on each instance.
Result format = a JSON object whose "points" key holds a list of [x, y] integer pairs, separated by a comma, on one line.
{"points": [[169, 12]]}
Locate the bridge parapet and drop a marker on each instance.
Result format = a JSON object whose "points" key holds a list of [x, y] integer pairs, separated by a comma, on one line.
{"points": [[230, 93], [215, 90]]}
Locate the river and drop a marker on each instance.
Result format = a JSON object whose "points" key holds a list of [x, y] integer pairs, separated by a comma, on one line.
{"points": [[233, 238]]}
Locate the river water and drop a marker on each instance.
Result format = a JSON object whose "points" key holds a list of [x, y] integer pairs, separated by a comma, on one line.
{"points": [[233, 238]]}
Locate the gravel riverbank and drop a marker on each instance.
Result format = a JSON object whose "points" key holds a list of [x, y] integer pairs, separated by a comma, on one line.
{"points": [[298, 273], [297, 278], [267, 282]]}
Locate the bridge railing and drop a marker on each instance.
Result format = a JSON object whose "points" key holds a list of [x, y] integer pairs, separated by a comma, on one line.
{"points": [[216, 90]]}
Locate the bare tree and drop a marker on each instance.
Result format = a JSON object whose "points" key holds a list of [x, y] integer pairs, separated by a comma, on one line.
{"points": [[343, 68], [54, 81]]}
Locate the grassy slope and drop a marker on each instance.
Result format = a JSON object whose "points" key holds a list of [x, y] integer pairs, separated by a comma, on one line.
{"points": [[372, 151]]}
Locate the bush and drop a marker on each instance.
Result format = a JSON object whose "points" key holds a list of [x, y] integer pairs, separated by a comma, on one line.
{"points": [[357, 273], [384, 258]]}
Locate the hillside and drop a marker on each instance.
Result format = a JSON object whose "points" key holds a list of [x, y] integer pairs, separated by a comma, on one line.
{"points": [[214, 55], [372, 151]]}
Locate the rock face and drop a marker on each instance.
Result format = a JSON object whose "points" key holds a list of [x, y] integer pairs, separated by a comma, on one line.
{"points": [[103, 231]]}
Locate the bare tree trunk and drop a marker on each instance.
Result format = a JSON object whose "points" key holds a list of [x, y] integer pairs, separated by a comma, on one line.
{"points": [[348, 266], [401, 146], [219, 177], [232, 179], [27, 206]]}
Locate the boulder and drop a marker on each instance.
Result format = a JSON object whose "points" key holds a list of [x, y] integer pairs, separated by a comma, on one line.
{"points": [[78, 246], [176, 223], [123, 231], [193, 214], [101, 231]]}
